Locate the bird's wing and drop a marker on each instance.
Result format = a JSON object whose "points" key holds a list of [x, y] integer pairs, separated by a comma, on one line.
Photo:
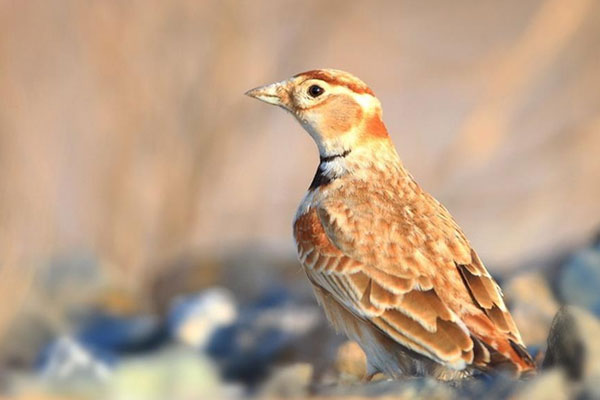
{"points": [[415, 278]]}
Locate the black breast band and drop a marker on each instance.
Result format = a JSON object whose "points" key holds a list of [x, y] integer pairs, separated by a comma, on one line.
{"points": [[321, 178]]}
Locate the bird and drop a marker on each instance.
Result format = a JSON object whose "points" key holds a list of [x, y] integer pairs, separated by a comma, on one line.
{"points": [[387, 262]]}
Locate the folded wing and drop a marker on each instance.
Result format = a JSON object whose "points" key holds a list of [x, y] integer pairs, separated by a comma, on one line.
{"points": [[418, 282]]}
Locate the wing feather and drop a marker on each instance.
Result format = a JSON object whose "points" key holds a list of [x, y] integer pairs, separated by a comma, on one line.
{"points": [[420, 285]]}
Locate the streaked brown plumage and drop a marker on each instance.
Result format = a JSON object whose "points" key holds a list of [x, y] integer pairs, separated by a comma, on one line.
{"points": [[388, 263]]}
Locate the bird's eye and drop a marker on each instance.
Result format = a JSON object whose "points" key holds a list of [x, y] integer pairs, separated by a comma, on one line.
{"points": [[315, 91]]}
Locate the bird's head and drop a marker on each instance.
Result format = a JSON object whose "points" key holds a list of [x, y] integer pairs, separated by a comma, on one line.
{"points": [[339, 110]]}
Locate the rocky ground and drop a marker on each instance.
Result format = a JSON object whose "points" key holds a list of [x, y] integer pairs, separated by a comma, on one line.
{"points": [[267, 338]]}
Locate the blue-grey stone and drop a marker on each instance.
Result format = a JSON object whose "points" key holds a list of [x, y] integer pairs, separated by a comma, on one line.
{"points": [[120, 335], [265, 329], [579, 280], [68, 360], [193, 319]]}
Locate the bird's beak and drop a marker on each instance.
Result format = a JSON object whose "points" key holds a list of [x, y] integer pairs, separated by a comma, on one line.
{"points": [[275, 93]]}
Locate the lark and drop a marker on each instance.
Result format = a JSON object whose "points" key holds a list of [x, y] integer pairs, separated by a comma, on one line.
{"points": [[387, 262]]}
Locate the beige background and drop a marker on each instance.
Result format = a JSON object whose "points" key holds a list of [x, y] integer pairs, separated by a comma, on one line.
{"points": [[124, 132]]}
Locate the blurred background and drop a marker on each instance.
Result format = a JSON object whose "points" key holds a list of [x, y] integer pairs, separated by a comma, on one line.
{"points": [[146, 204]]}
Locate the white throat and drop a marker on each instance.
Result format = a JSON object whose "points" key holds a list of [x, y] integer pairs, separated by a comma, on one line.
{"points": [[334, 165]]}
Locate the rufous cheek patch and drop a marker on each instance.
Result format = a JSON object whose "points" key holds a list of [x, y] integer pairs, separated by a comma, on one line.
{"points": [[341, 114], [375, 127]]}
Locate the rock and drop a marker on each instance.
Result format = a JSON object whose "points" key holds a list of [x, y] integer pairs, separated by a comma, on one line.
{"points": [[410, 388], [99, 343], [64, 286], [68, 360], [495, 386], [573, 344], [532, 306], [551, 385], [25, 338], [351, 362], [289, 381], [118, 335], [265, 330], [578, 281], [194, 319], [591, 391], [172, 373]]}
